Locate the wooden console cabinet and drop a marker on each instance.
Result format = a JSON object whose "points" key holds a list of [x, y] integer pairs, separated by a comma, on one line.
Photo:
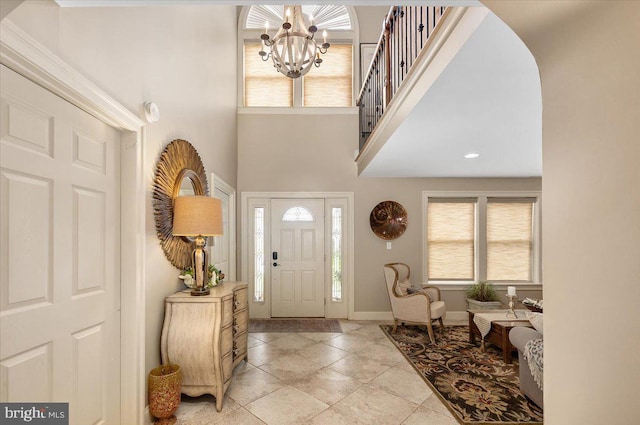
{"points": [[207, 337]]}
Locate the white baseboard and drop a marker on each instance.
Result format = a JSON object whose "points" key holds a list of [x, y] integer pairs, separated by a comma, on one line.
{"points": [[372, 315], [456, 316], [452, 316]]}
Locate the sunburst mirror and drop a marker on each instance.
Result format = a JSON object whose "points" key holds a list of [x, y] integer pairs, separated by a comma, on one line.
{"points": [[180, 172], [388, 220]]}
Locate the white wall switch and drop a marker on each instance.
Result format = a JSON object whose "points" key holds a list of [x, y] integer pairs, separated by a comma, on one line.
{"points": [[388, 245]]}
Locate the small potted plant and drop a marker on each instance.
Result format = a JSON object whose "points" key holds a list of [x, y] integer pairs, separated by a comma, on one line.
{"points": [[188, 275], [482, 296]]}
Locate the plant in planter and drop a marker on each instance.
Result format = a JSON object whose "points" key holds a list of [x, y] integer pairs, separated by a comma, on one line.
{"points": [[213, 270], [482, 296]]}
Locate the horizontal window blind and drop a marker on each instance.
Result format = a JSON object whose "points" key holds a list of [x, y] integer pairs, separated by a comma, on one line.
{"points": [[330, 85], [509, 239], [263, 85], [451, 239]]}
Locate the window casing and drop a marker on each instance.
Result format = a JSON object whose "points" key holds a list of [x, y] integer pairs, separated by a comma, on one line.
{"points": [[330, 85], [503, 241]]}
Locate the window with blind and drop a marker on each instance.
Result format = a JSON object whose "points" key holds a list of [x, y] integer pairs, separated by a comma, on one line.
{"points": [[472, 236], [451, 239], [263, 85], [331, 83], [509, 239]]}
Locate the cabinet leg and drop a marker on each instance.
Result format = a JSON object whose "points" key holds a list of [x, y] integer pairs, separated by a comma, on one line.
{"points": [[219, 398]]}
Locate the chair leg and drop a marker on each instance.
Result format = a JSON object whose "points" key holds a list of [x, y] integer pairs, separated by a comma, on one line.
{"points": [[430, 331], [395, 325], [441, 325]]}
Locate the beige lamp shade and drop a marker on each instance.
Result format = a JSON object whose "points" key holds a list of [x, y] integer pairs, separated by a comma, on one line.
{"points": [[197, 216]]}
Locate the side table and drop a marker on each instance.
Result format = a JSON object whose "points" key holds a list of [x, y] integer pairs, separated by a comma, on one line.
{"points": [[207, 337]]}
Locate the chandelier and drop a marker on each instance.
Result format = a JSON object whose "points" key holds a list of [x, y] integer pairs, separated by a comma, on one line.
{"points": [[293, 48]]}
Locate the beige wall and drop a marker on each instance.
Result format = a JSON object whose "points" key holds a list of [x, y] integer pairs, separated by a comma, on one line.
{"points": [[370, 22], [321, 159], [163, 54], [589, 64]]}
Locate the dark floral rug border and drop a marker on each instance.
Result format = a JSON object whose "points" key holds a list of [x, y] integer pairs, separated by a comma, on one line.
{"points": [[476, 386]]}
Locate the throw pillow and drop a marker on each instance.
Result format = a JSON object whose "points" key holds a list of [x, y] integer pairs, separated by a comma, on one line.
{"points": [[536, 320], [403, 287]]}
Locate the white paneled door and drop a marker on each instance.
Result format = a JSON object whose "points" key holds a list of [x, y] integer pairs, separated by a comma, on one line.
{"points": [[297, 258], [59, 253]]}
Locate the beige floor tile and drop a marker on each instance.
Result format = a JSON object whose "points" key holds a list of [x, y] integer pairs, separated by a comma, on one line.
{"points": [[268, 336], [359, 367], [434, 403], [408, 385], [252, 384], [285, 406], [422, 416], [382, 353], [405, 365], [291, 341], [202, 410], [349, 342], [238, 416], [323, 354], [264, 353], [252, 342], [327, 385], [320, 336], [370, 405], [291, 366], [331, 417], [349, 325], [372, 330]]}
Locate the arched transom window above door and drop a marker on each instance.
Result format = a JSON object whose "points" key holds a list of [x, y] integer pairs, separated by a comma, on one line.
{"points": [[297, 214]]}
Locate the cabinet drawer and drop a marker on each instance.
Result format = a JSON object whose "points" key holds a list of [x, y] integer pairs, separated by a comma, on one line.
{"points": [[240, 321], [227, 367], [240, 346], [227, 312], [226, 340], [240, 299]]}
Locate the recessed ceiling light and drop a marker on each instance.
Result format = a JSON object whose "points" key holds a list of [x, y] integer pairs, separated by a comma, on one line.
{"points": [[472, 155]]}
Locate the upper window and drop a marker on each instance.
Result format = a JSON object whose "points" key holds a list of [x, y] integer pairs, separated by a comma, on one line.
{"points": [[482, 238], [330, 85]]}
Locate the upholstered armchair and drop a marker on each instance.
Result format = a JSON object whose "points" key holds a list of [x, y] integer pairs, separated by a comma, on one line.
{"points": [[421, 307]]}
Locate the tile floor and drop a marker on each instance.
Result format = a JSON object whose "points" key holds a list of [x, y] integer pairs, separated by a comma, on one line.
{"points": [[356, 377]]}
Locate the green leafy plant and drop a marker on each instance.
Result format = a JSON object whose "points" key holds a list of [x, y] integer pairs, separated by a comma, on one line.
{"points": [[482, 291], [212, 270]]}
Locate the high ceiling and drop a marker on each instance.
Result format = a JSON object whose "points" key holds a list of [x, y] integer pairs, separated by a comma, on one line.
{"points": [[487, 101]]}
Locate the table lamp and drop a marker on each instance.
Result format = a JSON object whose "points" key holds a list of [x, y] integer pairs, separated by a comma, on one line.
{"points": [[198, 216]]}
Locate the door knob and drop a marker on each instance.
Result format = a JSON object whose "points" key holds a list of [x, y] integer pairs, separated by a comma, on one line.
{"points": [[275, 264]]}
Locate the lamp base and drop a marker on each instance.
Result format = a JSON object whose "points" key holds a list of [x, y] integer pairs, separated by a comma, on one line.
{"points": [[197, 292]]}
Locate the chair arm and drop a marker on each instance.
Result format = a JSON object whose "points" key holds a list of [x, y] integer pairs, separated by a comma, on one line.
{"points": [[414, 307], [416, 294], [431, 288], [520, 335]]}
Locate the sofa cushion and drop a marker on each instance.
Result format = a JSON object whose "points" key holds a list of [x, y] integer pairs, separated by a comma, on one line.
{"points": [[536, 320]]}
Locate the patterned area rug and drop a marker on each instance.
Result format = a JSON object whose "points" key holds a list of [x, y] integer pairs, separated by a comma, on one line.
{"points": [[477, 387], [294, 325]]}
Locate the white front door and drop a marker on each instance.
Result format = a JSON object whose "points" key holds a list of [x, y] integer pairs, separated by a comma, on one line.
{"points": [[59, 254], [297, 258]]}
